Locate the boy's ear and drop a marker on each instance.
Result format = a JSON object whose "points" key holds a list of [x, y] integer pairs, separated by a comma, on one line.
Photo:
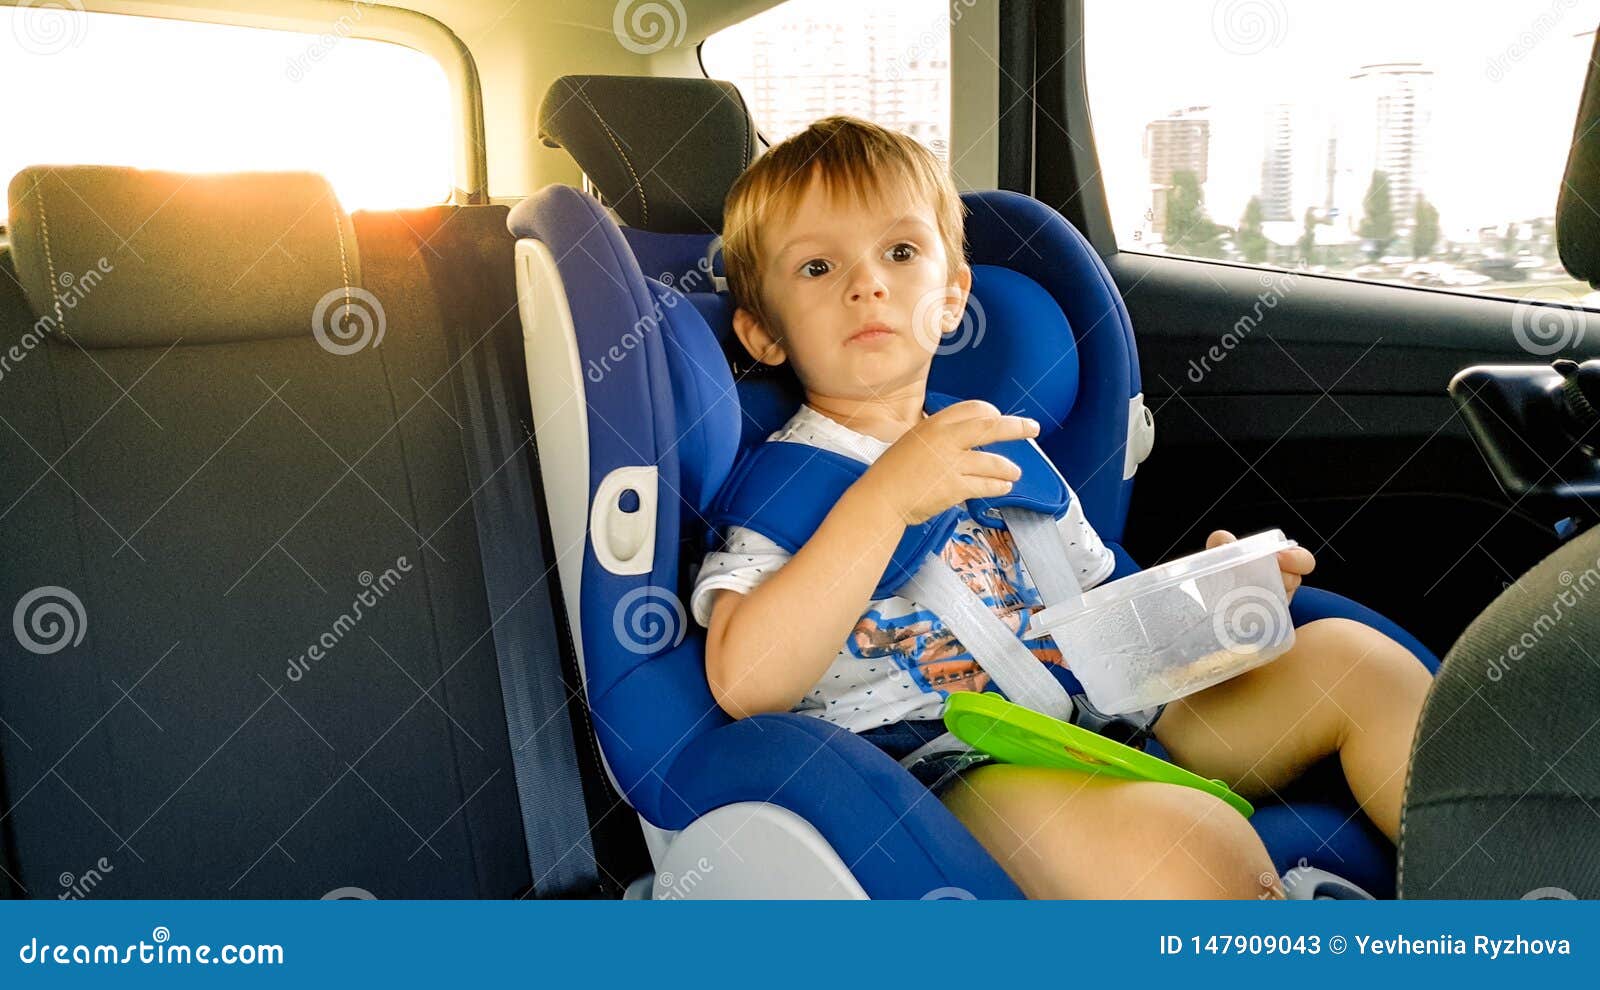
{"points": [[756, 340], [963, 282], [941, 310]]}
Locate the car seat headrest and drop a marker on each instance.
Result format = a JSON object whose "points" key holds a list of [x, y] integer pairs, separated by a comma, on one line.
{"points": [[662, 151], [1578, 222], [1013, 348], [119, 257]]}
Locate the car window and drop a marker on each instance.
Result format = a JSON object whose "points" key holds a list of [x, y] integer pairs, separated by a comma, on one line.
{"points": [[887, 61], [1420, 143], [374, 117]]}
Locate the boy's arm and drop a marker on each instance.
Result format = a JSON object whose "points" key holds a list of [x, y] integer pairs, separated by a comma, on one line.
{"points": [[765, 649]]}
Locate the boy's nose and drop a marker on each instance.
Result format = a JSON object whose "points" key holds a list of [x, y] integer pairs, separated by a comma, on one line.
{"points": [[867, 285]]}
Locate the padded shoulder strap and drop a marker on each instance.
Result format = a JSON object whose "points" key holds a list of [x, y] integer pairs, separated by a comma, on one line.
{"points": [[1040, 489], [784, 490]]}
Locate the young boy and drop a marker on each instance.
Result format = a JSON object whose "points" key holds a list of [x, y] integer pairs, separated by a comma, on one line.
{"points": [[844, 249]]}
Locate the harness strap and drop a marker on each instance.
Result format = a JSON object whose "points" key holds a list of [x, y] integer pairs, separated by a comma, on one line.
{"points": [[991, 642], [1038, 538], [1022, 677]]}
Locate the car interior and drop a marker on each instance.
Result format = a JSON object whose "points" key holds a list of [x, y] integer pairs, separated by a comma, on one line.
{"points": [[348, 529]]}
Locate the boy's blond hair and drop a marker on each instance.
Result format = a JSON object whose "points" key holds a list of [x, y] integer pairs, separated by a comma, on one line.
{"points": [[852, 156]]}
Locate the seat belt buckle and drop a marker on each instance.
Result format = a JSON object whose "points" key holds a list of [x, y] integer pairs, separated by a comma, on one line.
{"points": [[1132, 729]]}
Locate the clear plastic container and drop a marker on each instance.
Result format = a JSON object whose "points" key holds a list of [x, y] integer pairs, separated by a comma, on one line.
{"points": [[1177, 628]]}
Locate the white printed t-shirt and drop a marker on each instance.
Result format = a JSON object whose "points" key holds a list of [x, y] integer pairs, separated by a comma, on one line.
{"points": [[900, 662]]}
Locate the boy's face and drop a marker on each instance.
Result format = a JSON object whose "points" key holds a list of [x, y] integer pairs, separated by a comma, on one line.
{"points": [[859, 295]]}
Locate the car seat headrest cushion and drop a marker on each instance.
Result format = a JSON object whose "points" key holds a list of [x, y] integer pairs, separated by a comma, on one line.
{"points": [[1013, 348], [119, 257], [663, 151]]}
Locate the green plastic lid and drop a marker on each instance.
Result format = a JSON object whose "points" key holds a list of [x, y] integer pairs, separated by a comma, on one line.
{"points": [[1014, 734]]}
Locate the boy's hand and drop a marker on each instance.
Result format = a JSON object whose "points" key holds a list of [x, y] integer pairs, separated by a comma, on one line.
{"points": [[1293, 563], [934, 466]]}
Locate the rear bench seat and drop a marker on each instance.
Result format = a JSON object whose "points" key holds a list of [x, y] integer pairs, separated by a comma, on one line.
{"points": [[207, 493]]}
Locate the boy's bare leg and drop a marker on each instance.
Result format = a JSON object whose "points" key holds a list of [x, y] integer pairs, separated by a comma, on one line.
{"points": [[1342, 688], [1062, 834]]}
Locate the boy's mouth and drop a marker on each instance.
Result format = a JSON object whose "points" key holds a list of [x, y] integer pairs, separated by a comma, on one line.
{"points": [[870, 332]]}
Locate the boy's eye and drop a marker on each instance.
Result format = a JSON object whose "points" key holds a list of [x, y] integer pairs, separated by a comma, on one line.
{"points": [[902, 252], [815, 268]]}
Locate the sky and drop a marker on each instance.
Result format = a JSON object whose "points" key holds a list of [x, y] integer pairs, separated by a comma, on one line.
{"points": [[1508, 76]]}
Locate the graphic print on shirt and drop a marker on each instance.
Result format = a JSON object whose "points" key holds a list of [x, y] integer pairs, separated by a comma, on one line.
{"points": [[987, 561]]}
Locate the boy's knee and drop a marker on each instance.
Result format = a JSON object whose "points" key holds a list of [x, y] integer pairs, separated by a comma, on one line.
{"points": [[1212, 852], [1348, 653]]}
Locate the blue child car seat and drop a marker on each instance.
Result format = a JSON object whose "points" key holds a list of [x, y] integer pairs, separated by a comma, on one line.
{"points": [[643, 400]]}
